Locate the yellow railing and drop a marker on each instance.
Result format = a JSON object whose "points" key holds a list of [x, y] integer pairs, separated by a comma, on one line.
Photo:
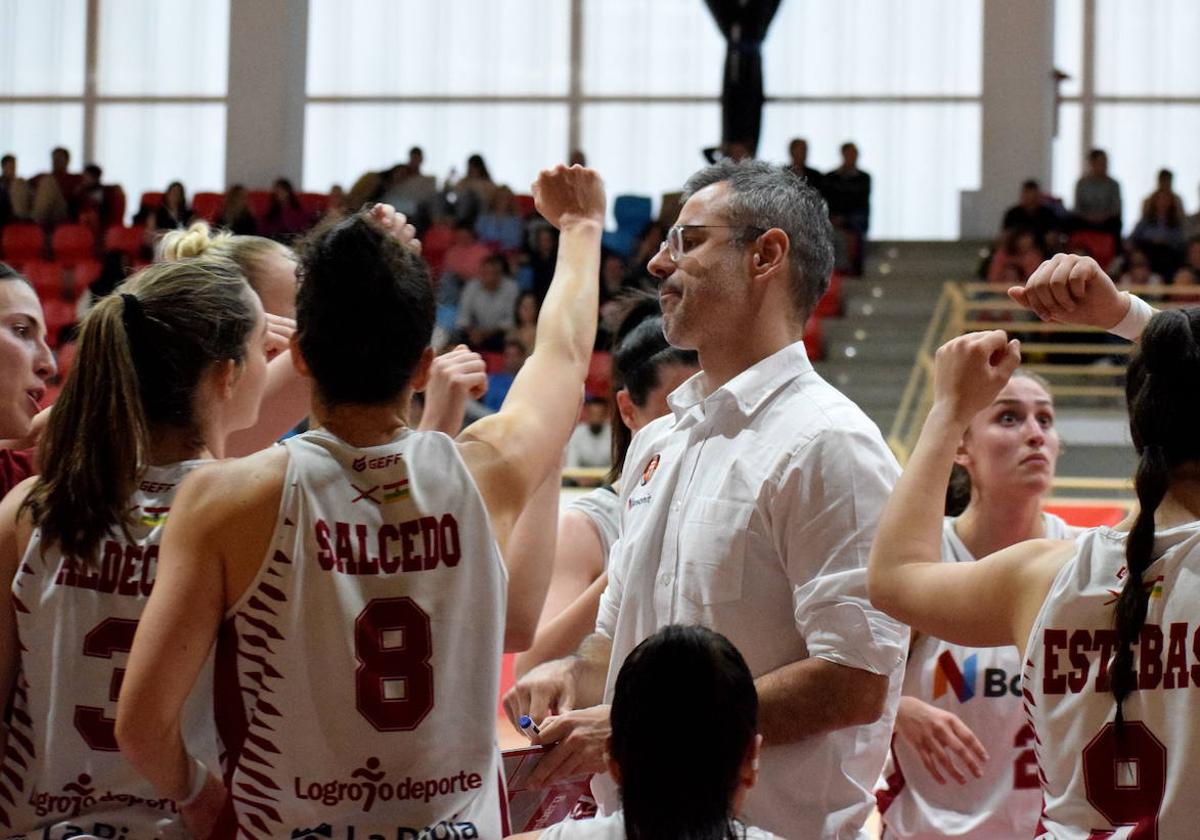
{"points": [[1088, 370]]}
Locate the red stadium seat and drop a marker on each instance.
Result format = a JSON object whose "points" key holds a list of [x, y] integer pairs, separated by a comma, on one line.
{"points": [[46, 278], [114, 202], [66, 359], [524, 205], [207, 205], [314, 204], [434, 245], [73, 243], [59, 313], [78, 277], [830, 305], [126, 239], [1088, 516], [259, 201], [599, 377], [494, 361], [152, 200], [814, 339], [1101, 246], [23, 243]]}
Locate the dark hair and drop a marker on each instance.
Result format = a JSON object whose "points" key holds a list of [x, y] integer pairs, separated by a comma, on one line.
{"points": [[1096, 154], [7, 272], [1031, 184], [364, 313], [182, 193], [639, 352], [8, 157], [93, 169], [537, 306], [496, 260], [765, 196], [476, 160], [674, 785], [275, 207], [141, 356], [1163, 400], [1166, 173], [958, 491]]}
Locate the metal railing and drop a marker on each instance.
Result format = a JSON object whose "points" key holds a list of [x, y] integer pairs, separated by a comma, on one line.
{"points": [[1084, 366]]}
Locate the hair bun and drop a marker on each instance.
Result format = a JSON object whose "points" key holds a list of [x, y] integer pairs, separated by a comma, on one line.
{"points": [[182, 244]]}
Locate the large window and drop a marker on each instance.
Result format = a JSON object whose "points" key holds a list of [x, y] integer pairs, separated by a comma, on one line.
{"points": [[154, 108], [1137, 95]]}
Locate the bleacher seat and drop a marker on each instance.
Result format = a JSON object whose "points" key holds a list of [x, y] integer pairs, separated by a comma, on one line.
{"points": [[114, 202], [207, 205], [524, 205], [494, 361], [46, 278], [632, 213], [314, 204], [1101, 246], [434, 245], [59, 313], [126, 239], [78, 277], [72, 243], [22, 243], [830, 304], [259, 201], [599, 376], [152, 200]]}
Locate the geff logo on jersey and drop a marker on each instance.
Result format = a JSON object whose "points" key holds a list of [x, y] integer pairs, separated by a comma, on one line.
{"points": [[947, 675]]}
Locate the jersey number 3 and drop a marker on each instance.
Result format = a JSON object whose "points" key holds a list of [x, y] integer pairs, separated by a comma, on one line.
{"points": [[394, 681], [109, 637]]}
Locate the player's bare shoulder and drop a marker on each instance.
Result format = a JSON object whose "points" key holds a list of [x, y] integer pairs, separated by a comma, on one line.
{"points": [[236, 488]]}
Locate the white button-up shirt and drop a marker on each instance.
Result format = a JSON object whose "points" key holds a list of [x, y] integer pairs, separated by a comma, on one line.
{"points": [[751, 512]]}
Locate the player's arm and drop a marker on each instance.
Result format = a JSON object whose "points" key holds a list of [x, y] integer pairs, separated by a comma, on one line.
{"points": [[1070, 289], [564, 632], [285, 403], [176, 632], [578, 560], [453, 376], [511, 452], [530, 547], [14, 537], [979, 604]]}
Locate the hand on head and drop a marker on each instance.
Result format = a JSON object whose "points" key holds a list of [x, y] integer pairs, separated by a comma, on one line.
{"points": [[569, 195], [969, 371], [1071, 289], [395, 224]]}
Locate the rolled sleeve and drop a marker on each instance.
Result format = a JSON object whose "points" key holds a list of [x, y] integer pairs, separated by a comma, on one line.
{"points": [[829, 503]]}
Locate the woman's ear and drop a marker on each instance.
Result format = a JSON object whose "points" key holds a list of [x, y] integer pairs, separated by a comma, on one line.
{"points": [[626, 408]]}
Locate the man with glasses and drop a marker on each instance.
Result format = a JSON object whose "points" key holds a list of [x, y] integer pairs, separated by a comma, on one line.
{"points": [[750, 509]]}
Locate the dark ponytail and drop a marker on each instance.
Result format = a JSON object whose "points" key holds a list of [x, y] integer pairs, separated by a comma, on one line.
{"points": [[141, 355], [1161, 376], [640, 351], [675, 685]]}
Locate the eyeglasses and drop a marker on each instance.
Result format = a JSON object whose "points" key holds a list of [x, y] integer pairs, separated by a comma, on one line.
{"points": [[679, 243]]}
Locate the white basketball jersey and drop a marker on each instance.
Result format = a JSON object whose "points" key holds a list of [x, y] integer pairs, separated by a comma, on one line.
{"points": [[63, 775], [982, 687], [1139, 782], [360, 669]]}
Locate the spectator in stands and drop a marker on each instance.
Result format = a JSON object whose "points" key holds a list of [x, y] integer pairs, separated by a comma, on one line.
{"points": [[540, 260], [1138, 271], [370, 187], [1098, 197], [1159, 234], [500, 226], [1186, 277], [1031, 213], [1018, 248], [499, 382], [16, 200], [285, 218], [798, 152], [1165, 186], [648, 244], [88, 205], [735, 150], [462, 261], [174, 211], [236, 215], [1191, 255], [525, 316], [590, 445], [848, 193], [473, 192], [485, 310], [412, 192], [53, 189]]}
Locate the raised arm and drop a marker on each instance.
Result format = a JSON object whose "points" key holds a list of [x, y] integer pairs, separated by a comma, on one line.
{"points": [[1070, 289], [511, 452], [453, 376], [974, 604], [528, 556]]}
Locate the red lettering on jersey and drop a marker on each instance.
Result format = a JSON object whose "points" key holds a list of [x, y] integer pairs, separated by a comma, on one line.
{"points": [[367, 565], [1106, 643], [110, 567], [324, 549], [1177, 664], [1150, 665], [345, 556], [408, 530], [1052, 681], [149, 566], [126, 585], [448, 545], [431, 541], [122, 570], [388, 562], [1196, 655], [1081, 646]]}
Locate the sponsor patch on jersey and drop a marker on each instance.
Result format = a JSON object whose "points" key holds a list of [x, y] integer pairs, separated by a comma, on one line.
{"points": [[396, 491], [152, 517], [651, 468]]}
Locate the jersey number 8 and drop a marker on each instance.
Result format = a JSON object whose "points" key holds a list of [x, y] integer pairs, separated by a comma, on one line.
{"points": [[394, 681]]}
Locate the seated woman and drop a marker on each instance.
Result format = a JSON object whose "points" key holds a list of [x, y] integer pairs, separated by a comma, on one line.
{"points": [[674, 785]]}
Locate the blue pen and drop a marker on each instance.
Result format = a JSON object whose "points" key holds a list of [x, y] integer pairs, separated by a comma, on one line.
{"points": [[528, 726]]}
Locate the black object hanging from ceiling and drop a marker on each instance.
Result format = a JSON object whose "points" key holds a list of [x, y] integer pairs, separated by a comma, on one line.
{"points": [[744, 24]]}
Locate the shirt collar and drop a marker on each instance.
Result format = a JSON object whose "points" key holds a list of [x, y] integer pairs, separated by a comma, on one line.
{"points": [[749, 389]]}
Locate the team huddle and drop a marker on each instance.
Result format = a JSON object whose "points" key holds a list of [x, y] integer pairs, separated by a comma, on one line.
{"points": [[777, 633]]}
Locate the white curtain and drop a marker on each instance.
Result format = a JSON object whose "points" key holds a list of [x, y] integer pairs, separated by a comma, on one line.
{"points": [[44, 43], [151, 48], [31, 131]]}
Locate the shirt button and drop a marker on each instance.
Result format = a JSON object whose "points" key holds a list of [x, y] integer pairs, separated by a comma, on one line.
{"points": [[666, 580]]}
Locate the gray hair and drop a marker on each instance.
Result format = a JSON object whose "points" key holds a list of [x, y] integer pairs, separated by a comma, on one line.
{"points": [[765, 196]]}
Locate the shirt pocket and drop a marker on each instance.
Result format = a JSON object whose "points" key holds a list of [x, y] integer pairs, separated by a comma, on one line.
{"points": [[712, 555]]}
